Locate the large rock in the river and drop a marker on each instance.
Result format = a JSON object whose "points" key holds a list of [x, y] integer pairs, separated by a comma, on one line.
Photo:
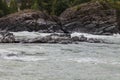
{"points": [[79, 38], [6, 37], [92, 17], [53, 38], [27, 20]]}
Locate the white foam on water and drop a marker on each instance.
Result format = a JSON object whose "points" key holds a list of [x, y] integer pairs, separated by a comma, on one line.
{"points": [[26, 34], [95, 36], [94, 60], [84, 60], [4, 52], [25, 58], [115, 38], [15, 54]]}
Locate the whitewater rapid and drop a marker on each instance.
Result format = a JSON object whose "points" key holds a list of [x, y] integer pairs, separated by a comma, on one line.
{"points": [[111, 39], [83, 61]]}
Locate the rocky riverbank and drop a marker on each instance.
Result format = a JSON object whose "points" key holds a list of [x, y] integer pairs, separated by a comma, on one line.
{"points": [[61, 38], [93, 17]]}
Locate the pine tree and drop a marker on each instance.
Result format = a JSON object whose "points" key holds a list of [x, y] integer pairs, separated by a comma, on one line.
{"points": [[1, 3], [1, 8], [23, 4], [26, 4], [1, 13], [13, 6], [5, 9], [53, 7], [35, 6]]}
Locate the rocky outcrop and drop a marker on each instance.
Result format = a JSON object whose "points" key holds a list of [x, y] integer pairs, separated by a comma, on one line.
{"points": [[27, 20], [92, 17], [60, 38], [7, 37]]}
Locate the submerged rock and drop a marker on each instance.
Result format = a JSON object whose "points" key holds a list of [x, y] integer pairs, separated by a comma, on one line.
{"points": [[92, 40], [81, 38]]}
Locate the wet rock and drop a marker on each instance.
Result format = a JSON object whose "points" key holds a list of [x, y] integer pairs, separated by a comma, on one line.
{"points": [[53, 38], [92, 40], [10, 55], [90, 25], [81, 38], [99, 32], [107, 33], [38, 40], [7, 37], [65, 42], [26, 20], [75, 38], [61, 38], [91, 17], [110, 28]]}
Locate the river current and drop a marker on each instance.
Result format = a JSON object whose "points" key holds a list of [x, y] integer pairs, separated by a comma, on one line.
{"points": [[83, 61]]}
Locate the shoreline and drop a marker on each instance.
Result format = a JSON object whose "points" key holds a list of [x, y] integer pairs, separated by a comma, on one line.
{"points": [[57, 38]]}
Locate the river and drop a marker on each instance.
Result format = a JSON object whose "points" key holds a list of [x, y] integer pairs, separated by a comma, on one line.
{"points": [[83, 61]]}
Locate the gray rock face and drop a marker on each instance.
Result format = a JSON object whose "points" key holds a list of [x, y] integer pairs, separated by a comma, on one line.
{"points": [[53, 38], [27, 20], [61, 38], [6, 37], [93, 17]]}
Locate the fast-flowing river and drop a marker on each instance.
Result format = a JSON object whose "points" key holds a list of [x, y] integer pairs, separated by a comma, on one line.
{"points": [[83, 61]]}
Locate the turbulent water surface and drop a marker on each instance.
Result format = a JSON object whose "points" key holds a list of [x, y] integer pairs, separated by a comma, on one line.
{"points": [[83, 61]]}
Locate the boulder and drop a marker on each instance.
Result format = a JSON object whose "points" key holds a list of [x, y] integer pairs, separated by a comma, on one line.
{"points": [[6, 37], [81, 38], [92, 17], [26, 20]]}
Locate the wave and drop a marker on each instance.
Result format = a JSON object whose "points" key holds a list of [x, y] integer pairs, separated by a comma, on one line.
{"points": [[115, 38], [25, 58], [94, 61]]}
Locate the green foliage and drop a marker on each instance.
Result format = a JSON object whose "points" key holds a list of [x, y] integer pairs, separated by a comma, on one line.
{"points": [[5, 7], [35, 5], [53, 7], [71, 3], [57, 7], [13, 6], [26, 4], [1, 13]]}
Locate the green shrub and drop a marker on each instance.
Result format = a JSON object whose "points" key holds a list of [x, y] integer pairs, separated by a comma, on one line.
{"points": [[13, 6]]}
